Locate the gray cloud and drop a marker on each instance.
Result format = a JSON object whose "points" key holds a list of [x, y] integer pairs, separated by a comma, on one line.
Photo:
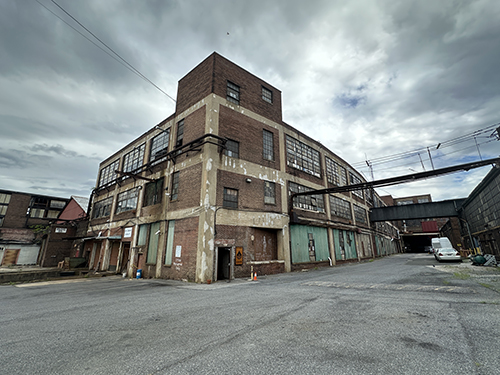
{"points": [[365, 78]]}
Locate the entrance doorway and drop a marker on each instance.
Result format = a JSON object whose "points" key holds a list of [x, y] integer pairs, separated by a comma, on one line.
{"points": [[223, 263]]}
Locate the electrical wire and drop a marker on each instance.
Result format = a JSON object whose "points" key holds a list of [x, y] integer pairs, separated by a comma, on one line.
{"points": [[416, 152], [123, 61]]}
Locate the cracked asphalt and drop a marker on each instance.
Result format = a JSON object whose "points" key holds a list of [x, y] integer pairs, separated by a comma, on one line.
{"points": [[404, 314]]}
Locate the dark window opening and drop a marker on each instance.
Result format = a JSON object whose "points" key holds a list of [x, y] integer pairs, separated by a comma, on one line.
{"points": [[233, 93], [230, 198]]}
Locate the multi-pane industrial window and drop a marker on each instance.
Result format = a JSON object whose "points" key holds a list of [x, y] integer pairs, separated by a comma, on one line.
{"points": [[102, 208], [108, 173], [127, 201], [134, 158], [267, 145], [4, 203], [302, 156], [175, 186], [233, 93], [355, 180], [267, 95], [230, 198], [159, 145], [340, 207], [360, 215], [232, 149], [269, 192], [180, 133], [335, 173], [153, 192], [308, 202]]}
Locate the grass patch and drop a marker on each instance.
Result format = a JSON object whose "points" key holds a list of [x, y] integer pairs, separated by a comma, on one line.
{"points": [[461, 275], [489, 303], [446, 282], [487, 285]]}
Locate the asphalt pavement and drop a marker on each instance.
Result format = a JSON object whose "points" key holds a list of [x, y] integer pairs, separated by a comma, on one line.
{"points": [[404, 314]]}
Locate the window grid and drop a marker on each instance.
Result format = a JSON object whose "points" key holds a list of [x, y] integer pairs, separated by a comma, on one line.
{"points": [[4, 198], [308, 202], [230, 198], [267, 95], [302, 157], [180, 134], [335, 173], [134, 158], [102, 208], [355, 180], [360, 215], [159, 145], [267, 145], [233, 93], [340, 207], [232, 149], [175, 186], [153, 193], [269, 192], [127, 201], [108, 173]]}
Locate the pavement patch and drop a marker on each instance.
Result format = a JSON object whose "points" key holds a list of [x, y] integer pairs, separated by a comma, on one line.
{"points": [[401, 287]]}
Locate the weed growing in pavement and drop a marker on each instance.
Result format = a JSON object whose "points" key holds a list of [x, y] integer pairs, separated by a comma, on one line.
{"points": [[487, 285], [461, 275]]}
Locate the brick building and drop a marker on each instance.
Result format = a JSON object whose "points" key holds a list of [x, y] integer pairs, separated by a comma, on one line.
{"points": [[480, 215], [63, 238], [24, 224], [205, 194]]}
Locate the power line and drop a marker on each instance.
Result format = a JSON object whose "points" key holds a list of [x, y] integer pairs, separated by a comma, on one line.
{"points": [[123, 61], [408, 154]]}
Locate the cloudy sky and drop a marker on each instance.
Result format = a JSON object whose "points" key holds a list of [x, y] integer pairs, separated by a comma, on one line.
{"points": [[368, 78]]}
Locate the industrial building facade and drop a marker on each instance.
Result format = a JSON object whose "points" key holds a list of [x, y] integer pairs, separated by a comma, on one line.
{"points": [[206, 194]]}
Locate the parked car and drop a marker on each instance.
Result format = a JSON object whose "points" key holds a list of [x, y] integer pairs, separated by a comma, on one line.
{"points": [[447, 253], [428, 249], [440, 243]]}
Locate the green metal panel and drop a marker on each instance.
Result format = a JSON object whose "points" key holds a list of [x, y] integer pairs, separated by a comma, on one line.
{"points": [[170, 243], [336, 243], [300, 244], [350, 245], [153, 243], [320, 236], [299, 238]]}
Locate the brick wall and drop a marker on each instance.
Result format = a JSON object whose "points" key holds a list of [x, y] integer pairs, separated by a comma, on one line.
{"points": [[248, 132], [250, 195], [15, 217], [258, 244], [250, 88], [189, 188], [186, 236], [195, 85], [17, 234], [56, 248], [194, 125]]}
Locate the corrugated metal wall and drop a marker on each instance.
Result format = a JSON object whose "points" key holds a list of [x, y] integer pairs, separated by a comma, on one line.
{"points": [[300, 236]]}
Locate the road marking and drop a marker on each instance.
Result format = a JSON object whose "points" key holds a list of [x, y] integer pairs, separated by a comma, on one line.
{"points": [[405, 287]]}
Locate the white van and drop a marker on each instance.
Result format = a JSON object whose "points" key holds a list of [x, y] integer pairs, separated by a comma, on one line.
{"points": [[439, 243]]}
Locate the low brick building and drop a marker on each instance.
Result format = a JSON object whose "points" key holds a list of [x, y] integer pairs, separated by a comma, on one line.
{"points": [[205, 195], [24, 225]]}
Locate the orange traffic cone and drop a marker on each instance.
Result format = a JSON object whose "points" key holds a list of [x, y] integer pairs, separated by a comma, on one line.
{"points": [[255, 276]]}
